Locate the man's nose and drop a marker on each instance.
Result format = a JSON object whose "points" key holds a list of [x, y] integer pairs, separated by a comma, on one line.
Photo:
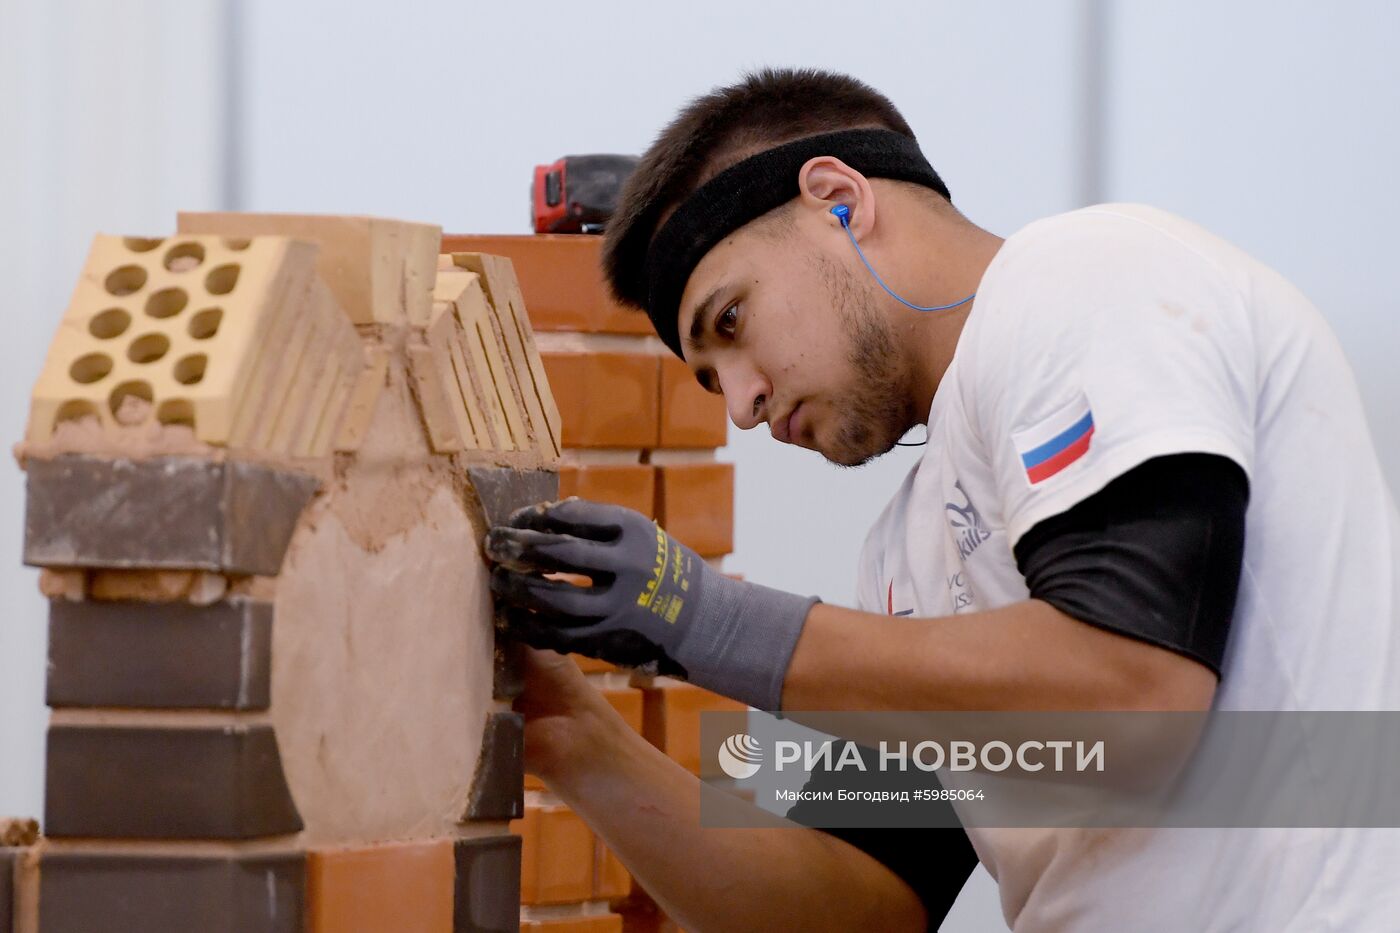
{"points": [[747, 395]]}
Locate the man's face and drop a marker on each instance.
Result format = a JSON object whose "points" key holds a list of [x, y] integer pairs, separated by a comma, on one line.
{"points": [[793, 336]]}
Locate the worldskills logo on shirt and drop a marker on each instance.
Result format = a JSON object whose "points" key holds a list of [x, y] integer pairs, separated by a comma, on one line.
{"points": [[1056, 442]]}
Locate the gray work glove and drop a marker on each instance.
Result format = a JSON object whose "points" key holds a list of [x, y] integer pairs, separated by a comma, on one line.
{"points": [[654, 602]]}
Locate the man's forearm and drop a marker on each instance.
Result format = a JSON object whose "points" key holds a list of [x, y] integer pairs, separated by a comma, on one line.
{"points": [[1025, 656], [646, 808]]}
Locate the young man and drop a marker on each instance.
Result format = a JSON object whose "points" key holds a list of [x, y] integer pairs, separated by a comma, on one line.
{"points": [[1148, 485]]}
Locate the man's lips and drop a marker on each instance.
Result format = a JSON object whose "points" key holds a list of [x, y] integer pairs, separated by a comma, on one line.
{"points": [[785, 429]]}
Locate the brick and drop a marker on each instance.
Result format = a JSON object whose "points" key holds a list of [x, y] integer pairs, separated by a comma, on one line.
{"points": [[80, 892], [562, 280], [606, 399], [364, 398], [145, 782], [690, 416], [407, 887], [632, 485], [556, 862], [166, 512], [145, 338], [18, 831], [695, 503], [380, 270], [611, 880], [628, 703], [507, 306], [502, 490], [160, 655], [592, 665], [488, 879], [592, 923], [508, 669], [498, 784], [7, 889], [470, 366], [157, 586], [671, 720]]}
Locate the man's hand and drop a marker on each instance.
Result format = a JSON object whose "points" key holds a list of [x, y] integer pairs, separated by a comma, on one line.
{"points": [[653, 601]]}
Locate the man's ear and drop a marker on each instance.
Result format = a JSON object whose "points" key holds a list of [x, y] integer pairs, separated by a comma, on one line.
{"points": [[826, 181]]}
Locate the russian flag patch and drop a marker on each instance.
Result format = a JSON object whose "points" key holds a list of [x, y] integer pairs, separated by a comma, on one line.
{"points": [[1056, 442]]}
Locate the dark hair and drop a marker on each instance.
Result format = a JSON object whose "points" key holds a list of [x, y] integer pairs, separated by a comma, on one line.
{"points": [[767, 108]]}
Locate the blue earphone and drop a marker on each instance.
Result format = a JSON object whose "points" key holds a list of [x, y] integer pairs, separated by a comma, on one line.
{"points": [[843, 214]]}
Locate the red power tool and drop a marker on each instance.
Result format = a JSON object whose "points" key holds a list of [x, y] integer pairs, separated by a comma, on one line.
{"points": [[578, 193]]}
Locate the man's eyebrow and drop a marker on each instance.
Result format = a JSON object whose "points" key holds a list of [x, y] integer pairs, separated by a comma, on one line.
{"points": [[695, 341]]}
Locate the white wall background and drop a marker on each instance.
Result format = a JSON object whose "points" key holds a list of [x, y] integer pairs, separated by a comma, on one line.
{"points": [[1273, 123]]}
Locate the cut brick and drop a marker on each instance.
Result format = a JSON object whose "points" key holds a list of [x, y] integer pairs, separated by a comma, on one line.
{"points": [[145, 782], [160, 655], [166, 512], [380, 270], [498, 785], [502, 490], [406, 887], [474, 362], [606, 399], [695, 503], [556, 862], [487, 884], [690, 416], [364, 397], [185, 341], [671, 719], [562, 280], [632, 485], [80, 892]]}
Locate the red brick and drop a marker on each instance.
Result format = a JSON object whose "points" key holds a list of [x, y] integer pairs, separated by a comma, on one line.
{"points": [[695, 503], [690, 416], [605, 399], [632, 485], [561, 279], [628, 703], [396, 886], [594, 923], [592, 665], [556, 857], [671, 719]]}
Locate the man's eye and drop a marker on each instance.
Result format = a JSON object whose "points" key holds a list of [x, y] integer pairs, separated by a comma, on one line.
{"points": [[727, 320]]}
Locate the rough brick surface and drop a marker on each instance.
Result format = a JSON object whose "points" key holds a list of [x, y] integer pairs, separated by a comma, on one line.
{"points": [[498, 785], [487, 885], [606, 399], [556, 862], [160, 655], [178, 512], [406, 887], [166, 783], [84, 892], [380, 270], [690, 416], [632, 485], [502, 490], [695, 503], [561, 279]]}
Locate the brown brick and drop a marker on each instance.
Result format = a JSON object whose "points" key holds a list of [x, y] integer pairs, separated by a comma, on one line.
{"points": [[561, 279], [695, 503], [605, 399], [671, 719], [498, 785], [160, 655], [166, 512], [592, 923], [632, 485], [556, 862], [82, 892], [487, 884], [7, 888], [166, 783], [508, 669], [502, 490], [406, 887], [690, 416]]}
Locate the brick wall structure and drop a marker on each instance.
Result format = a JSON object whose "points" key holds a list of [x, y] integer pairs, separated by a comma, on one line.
{"points": [[639, 431]]}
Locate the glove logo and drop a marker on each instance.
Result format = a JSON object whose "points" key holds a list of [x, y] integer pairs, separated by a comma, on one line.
{"points": [[740, 756]]}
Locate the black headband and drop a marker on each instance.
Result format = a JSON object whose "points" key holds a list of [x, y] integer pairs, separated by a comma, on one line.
{"points": [[751, 188]]}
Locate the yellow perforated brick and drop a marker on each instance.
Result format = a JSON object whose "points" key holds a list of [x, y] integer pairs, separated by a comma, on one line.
{"points": [[169, 329]]}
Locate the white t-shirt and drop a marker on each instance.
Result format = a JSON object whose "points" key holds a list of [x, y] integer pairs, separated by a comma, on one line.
{"points": [[1099, 339]]}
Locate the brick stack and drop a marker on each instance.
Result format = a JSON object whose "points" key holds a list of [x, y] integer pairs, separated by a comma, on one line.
{"points": [[261, 457], [638, 431]]}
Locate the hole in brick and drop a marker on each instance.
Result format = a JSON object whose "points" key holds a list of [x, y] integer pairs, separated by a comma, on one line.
{"points": [[221, 280], [236, 243], [125, 280], [190, 369], [176, 411], [91, 368], [205, 324], [75, 409], [141, 244], [182, 257], [148, 349], [167, 302], [110, 323], [131, 401]]}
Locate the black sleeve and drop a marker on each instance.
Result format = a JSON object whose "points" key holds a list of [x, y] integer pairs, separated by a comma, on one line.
{"points": [[1155, 555]]}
